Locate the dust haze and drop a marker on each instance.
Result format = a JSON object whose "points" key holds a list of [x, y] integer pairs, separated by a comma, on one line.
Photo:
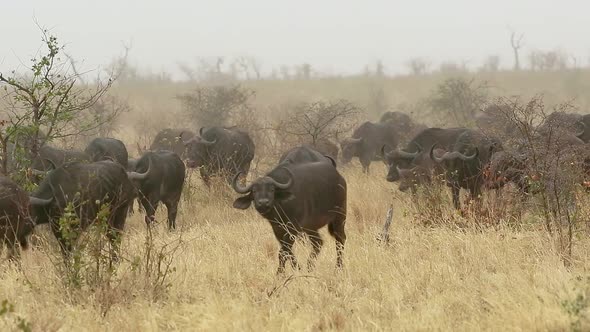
{"points": [[334, 37], [294, 165]]}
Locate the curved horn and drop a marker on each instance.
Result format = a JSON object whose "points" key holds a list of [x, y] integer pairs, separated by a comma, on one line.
{"points": [[284, 185], [51, 163], [140, 176], [456, 154], [420, 148], [468, 158], [37, 172], [36, 201], [407, 155], [403, 171], [208, 143], [435, 158], [238, 187]]}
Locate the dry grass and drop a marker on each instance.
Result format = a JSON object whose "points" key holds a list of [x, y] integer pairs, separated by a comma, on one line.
{"points": [[428, 278]]}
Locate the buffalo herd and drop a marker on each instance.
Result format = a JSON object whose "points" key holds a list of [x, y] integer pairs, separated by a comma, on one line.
{"points": [[303, 192]]}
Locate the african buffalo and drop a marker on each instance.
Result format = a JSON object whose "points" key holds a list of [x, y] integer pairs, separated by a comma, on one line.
{"points": [[505, 167], [325, 147], [422, 171], [172, 140], [305, 154], [402, 124], [220, 151], [495, 120], [366, 142], [420, 144], [296, 199], [102, 148], [565, 124], [15, 222], [159, 177], [465, 163], [88, 189], [50, 158]]}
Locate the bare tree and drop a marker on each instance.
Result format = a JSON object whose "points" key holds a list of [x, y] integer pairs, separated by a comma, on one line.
{"points": [[285, 72], [107, 108], [491, 63], [456, 100], [517, 44], [314, 122], [248, 65], [216, 105], [379, 69], [418, 66], [48, 100], [188, 71]]}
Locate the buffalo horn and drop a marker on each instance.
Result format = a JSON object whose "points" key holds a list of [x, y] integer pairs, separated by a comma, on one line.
{"points": [[403, 171], [468, 158], [407, 155], [140, 176], [284, 185], [206, 142], [36, 201], [37, 172], [238, 187]]}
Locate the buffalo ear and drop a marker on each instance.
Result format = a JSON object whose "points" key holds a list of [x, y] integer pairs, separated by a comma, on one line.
{"points": [[243, 202], [284, 196]]}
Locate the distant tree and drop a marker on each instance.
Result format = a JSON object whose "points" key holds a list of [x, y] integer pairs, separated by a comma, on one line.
{"points": [[548, 60], [215, 105], [304, 71], [379, 69], [285, 72], [47, 103], [516, 44], [458, 100], [418, 66], [314, 122], [450, 67], [491, 63], [249, 64]]}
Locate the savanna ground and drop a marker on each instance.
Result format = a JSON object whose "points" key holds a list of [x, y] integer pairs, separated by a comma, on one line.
{"points": [[217, 271]]}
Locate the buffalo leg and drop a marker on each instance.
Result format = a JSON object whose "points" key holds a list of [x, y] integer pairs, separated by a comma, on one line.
{"points": [[365, 168], [115, 230], [455, 192], [336, 229], [316, 243], [286, 240], [172, 207], [150, 205]]}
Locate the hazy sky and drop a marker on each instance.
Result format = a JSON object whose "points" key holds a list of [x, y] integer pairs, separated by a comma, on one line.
{"points": [[337, 36]]}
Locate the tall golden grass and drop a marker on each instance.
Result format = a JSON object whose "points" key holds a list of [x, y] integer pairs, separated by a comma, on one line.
{"points": [[428, 278]]}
